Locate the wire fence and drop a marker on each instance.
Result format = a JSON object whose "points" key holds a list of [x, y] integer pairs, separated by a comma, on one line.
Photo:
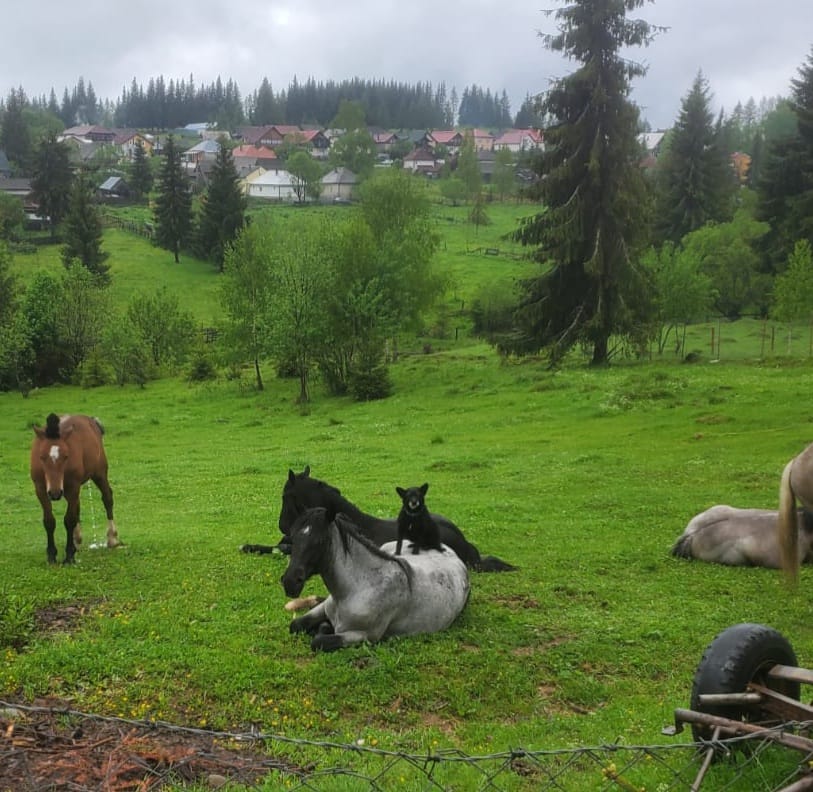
{"points": [[56, 749]]}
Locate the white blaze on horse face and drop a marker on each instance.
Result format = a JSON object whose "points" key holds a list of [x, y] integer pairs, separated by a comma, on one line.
{"points": [[54, 453]]}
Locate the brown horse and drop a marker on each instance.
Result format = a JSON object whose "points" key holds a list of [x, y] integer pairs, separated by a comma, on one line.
{"points": [[796, 485], [64, 455]]}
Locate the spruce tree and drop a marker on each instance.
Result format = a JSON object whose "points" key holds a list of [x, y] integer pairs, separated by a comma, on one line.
{"points": [[695, 179], [224, 209], [52, 180], [140, 172], [83, 231], [173, 205], [592, 221], [785, 187]]}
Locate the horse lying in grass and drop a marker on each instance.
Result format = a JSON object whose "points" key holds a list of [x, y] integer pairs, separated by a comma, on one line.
{"points": [[64, 455], [301, 491], [796, 486], [373, 594], [741, 537]]}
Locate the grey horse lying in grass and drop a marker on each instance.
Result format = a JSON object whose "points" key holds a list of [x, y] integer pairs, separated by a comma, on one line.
{"points": [[742, 537], [373, 593]]}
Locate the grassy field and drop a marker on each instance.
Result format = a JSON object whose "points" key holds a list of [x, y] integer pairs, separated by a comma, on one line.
{"points": [[582, 478]]}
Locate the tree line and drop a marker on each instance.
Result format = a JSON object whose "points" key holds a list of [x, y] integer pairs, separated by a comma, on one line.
{"points": [[166, 103]]}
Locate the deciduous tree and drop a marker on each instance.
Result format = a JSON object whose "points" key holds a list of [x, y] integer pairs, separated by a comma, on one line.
{"points": [[246, 296], [306, 174]]}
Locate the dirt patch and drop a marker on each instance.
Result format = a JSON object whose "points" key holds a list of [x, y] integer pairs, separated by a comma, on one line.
{"points": [[47, 749], [64, 616]]}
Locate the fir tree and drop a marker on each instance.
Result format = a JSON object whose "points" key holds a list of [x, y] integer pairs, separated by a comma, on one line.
{"points": [[173, 205], [141, 178], [83, 231], [592, 189], [52, 180], [695, 180], [224, 209], [785, 187], [15, 136]]}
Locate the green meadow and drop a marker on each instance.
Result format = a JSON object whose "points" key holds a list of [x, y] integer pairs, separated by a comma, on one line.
{"points": [[582, 478]]}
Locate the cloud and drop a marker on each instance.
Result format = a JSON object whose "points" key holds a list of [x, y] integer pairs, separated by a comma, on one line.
{"points": [[745, 49]]}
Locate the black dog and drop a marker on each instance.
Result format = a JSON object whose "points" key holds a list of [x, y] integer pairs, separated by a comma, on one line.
{"points": [[415, 523]]}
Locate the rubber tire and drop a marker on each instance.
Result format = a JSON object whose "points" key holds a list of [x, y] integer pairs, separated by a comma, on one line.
{"points": [[737, 656]]}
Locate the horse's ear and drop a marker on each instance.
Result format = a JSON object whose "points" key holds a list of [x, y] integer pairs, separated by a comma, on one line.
{"points": [[401, 491], [424, 489], [291, 476], [307, 471], [39, 432]]}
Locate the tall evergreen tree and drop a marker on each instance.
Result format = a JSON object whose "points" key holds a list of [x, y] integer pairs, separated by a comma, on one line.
{"points": [[173, 205], [83, 231], [52, 180], [593, 192], [224, 209], [785, 187], [15, 136], [695, 181], [141, 178]]}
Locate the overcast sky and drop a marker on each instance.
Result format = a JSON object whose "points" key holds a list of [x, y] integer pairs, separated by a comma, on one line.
{"points": [[747, 48]]}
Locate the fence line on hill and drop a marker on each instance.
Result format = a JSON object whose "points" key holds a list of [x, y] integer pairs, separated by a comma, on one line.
{"points": [[745, 765]]}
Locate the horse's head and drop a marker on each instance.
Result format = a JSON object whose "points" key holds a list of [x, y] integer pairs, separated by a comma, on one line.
{"points": [[309, 544], [50, 454], [292, 501]]}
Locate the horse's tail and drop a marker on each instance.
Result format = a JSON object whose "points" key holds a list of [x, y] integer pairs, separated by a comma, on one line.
{"points": [[494, 564], [787, 527], [265, 549], [682, 548]]}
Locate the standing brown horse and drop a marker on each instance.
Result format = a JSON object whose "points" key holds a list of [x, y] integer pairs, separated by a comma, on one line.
{"points": [[64, 455], [796, 485]]}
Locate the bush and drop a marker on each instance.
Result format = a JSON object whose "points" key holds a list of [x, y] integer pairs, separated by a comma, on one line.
{"points": [[94, 371], [367, 384], [202, 367], [16, 620]]}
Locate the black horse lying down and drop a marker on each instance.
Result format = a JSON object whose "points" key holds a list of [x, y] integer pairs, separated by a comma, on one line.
{"points": [[302, 492]]}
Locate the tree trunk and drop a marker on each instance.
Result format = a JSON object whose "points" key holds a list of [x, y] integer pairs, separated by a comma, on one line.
{"points": [[600, 351], [260, 385]]}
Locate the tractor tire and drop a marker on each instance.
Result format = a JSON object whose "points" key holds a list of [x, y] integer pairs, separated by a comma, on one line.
{"points": [[739, 655]]}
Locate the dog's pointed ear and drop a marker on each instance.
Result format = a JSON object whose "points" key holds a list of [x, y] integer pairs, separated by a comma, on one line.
{"points": [[401, 491], [424, 489]]}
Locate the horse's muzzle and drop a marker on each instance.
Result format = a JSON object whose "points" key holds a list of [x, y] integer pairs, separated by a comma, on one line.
{"points": [[54, 495], [293, 582]]}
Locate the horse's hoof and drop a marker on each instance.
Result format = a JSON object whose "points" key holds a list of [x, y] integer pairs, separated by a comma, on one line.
{"points": [[327, 643]]}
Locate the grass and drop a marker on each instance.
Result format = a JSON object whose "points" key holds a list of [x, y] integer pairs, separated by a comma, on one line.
{"points": [[583, 478]]}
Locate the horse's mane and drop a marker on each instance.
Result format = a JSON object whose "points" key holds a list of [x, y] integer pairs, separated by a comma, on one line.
{"points": [[52, 427], [348, 531]]}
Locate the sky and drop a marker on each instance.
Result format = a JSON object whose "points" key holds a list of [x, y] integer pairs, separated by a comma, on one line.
{"points": [[747, 48]]}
